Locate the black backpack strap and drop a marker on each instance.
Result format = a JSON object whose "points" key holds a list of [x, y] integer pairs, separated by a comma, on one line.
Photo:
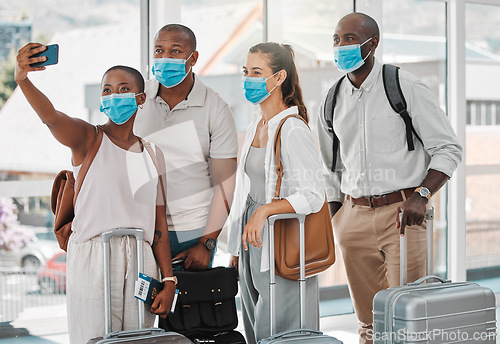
{"points": [[330, 102], [397, 100]]}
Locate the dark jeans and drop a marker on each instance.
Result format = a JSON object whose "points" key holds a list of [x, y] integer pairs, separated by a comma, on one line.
{"points": [[181, 241]]}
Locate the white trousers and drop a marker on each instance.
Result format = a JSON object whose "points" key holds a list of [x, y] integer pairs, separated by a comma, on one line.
{"points": [[85, 284]]}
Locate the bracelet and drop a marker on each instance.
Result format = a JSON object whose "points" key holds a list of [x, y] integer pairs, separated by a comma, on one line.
{"points": [[170, 279]]}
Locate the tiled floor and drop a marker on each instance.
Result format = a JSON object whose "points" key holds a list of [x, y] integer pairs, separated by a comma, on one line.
{"points": [[54, 330], [51, 328]]}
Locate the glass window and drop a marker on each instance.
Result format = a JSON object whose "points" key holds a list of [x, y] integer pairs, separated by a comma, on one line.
{"points": [[225, 30], [487, 114], [469, 112], [482, 140], [474, 111], [414, 38], [497, 111], [308, 27]]}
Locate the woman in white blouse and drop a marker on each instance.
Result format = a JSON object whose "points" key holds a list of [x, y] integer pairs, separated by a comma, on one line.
{"points": [[270, 80]]}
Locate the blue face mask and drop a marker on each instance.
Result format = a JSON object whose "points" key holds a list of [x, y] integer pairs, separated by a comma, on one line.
{"points": [[170, 72], [119, 107], [256, 88], [348, 57]]}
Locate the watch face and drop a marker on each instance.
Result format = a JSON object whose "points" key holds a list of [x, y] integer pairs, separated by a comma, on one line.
{"points": [[424, 192], [210, 244]]}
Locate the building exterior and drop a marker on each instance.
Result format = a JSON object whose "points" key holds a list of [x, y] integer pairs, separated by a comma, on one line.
{"points": [[15, 30]]}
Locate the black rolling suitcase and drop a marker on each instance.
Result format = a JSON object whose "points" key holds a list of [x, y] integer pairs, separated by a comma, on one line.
{"points": [[141, 335]]}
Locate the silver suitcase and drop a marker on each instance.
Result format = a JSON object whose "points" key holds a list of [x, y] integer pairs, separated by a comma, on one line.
{"points": [[141, 335], [300, 335], [439, 312]]}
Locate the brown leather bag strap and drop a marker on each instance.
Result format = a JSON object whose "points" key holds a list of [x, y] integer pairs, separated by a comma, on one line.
{"points": [[159, 170], [277, 154], [87, 161]]}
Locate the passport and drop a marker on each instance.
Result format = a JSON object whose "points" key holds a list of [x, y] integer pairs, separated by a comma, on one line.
{"points": [[146, 288]]}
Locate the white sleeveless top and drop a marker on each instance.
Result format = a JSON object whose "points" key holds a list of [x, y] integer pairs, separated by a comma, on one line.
{"points": [[119, 190]]}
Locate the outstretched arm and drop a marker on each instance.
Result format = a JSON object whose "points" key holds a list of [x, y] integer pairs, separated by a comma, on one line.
{"points": [[74, 133]]}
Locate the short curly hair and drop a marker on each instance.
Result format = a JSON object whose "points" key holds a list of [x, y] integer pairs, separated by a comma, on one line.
{"points": [[132, 71]]}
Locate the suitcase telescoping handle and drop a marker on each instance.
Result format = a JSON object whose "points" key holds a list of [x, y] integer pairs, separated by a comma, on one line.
{"points": [[403, 273], [272, 270], [106, 237]]}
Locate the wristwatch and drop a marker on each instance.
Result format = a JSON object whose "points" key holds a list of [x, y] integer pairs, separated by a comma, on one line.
{"points": [[210, 244], [424, 192], [170, 279]]}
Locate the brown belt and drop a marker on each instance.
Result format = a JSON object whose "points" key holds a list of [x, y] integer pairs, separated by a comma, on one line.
{"points": [[379, 201]]}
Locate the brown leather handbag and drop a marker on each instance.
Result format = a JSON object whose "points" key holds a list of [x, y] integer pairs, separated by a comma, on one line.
{"points": [[319, 244], [64, 194]]}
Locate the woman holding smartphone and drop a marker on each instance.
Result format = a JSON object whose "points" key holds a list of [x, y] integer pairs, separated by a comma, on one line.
{"points": [[270, 80], [107, 201]]}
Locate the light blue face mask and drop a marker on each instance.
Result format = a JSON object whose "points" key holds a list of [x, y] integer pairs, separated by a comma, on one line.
{"points": [[170, 72], [256, 88], [119, 107], [348, 57]]}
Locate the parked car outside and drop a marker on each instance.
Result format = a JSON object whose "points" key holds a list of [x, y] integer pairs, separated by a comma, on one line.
{"points": [[52, 277], [34, 255]]}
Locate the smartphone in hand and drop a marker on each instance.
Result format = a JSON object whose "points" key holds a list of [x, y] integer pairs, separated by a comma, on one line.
{"points": [[178, 264], [52, 54]]}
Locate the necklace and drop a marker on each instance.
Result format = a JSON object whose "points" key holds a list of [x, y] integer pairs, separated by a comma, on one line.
{"points": [[264, 122]]}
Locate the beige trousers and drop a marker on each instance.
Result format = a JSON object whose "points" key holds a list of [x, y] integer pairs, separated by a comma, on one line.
{"points": [[369, 242], [85, 295]]}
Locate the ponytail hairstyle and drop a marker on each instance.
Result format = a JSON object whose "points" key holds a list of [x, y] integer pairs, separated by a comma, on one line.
{"points": [[281, 56]]}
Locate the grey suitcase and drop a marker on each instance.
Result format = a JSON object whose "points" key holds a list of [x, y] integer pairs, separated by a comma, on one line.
{"points": [[439, 312], [300, 335], [141, 335]]}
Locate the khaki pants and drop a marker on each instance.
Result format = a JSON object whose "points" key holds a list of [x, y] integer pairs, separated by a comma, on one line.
{"points": [[369, 242], [85, 294]]}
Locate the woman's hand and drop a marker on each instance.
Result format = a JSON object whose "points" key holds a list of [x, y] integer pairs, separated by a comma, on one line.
{"points": [[24, 60], [163, 301], [253, 229], [234, 262]]}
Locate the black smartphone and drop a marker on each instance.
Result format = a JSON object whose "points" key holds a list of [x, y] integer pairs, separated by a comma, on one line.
{"points": [[52, 54]]}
